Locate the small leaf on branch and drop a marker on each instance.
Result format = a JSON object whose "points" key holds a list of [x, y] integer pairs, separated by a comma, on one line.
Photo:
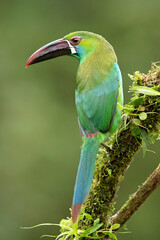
{"points": [[146, 90], [115, 226], [91, 230]]}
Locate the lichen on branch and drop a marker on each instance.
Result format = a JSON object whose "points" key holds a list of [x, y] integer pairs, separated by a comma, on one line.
{"points": [[141, 122], [137, 198]]}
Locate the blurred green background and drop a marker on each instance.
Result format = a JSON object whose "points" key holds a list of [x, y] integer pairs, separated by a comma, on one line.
{"points": [[39, 135]]}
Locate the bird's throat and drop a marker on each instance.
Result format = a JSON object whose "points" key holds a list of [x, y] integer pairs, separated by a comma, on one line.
{"points": [[91, 72]]}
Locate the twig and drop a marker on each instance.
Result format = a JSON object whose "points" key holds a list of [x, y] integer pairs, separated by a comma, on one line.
{"points": [[138, 198], [106, 147]]}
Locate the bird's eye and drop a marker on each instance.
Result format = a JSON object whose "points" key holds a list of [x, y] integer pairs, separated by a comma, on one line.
{"points": [[75, 40]]}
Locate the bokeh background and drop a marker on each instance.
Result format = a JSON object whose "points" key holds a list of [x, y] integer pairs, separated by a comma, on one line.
{"points": [[39, 135]]}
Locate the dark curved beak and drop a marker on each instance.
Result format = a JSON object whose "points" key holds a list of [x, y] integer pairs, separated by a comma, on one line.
{"points": [[54, 49]]}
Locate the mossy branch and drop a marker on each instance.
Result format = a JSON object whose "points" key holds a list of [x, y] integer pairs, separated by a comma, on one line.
{"points": [[136, 199], [141, 122]]}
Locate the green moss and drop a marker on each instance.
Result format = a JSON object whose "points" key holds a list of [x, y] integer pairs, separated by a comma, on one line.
{"points": [[141, 123], [124, 145]]}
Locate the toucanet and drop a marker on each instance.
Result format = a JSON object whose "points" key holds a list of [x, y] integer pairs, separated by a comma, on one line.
{"points": [[98, 99]]}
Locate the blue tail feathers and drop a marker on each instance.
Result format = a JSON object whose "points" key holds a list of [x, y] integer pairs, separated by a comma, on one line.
{"points": [[85, 174]]}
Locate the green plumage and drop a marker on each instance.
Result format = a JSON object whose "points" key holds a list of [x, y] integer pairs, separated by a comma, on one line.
{"points": [[98, 96], [98, 90], [96, 107]]}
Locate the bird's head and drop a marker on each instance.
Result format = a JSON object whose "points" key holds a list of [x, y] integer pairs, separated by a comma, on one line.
{"points": [[84, 43], [79, 44]]}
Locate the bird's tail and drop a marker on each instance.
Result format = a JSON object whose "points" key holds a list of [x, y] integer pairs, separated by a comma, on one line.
{"points": [[85, 173]]}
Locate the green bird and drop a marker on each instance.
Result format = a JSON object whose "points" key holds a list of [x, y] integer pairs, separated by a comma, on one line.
{"points": [[98, 98]]}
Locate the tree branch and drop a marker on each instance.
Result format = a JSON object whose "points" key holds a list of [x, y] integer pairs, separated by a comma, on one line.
{"points": [[141, 122], [142, 117], [137, 199]]}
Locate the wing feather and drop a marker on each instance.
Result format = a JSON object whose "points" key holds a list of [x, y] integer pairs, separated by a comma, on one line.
{"points": [[96, 107]]}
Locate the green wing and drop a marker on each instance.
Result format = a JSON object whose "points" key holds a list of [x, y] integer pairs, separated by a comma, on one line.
{"points": [[96, 107]]}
